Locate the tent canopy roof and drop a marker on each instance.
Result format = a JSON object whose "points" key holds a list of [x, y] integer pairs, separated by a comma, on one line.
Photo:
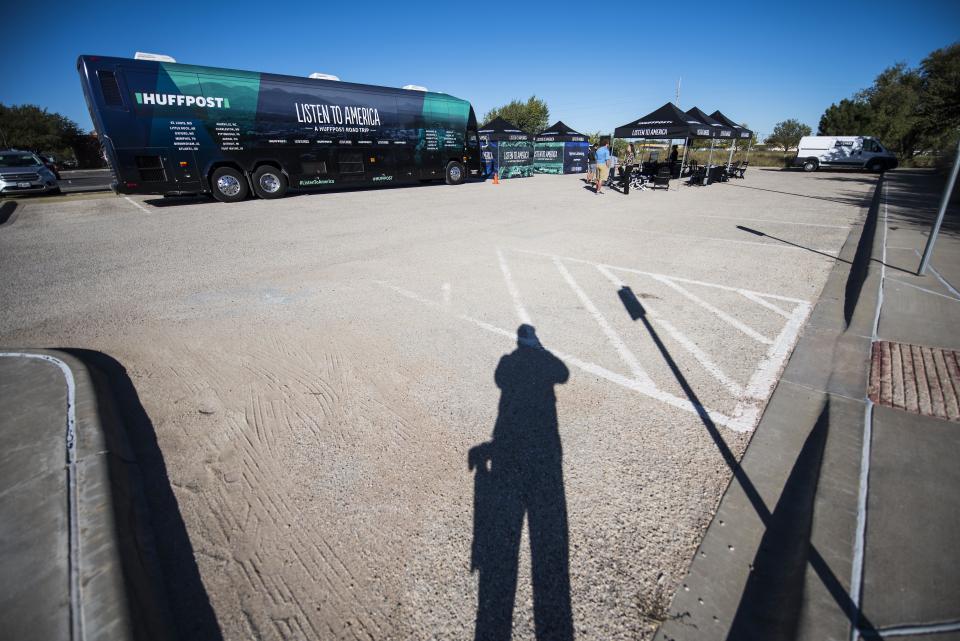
{"points": [[500, 129], [742, 132], [666, 122], [559, 132], [720, 130]]}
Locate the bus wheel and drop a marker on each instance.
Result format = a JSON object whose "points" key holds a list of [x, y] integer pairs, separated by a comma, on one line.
{"points": [[269, 182], [456, 173], [229, 185]]}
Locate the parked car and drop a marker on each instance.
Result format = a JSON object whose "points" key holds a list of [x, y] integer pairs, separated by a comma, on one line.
{"points": [[50, 162], [861, 152], [23, 172]]}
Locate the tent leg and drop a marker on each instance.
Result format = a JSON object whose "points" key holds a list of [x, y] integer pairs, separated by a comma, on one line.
{"points": [[733, 148], [748, 148], [706, 178], [686, 145]]}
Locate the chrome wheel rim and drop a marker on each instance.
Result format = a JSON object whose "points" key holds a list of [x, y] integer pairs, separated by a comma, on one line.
{"points": [[228, 185], [270, 183], [455, 173]]}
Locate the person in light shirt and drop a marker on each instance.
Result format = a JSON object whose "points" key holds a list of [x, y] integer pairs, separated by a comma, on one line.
{"points": [[603, 167]]}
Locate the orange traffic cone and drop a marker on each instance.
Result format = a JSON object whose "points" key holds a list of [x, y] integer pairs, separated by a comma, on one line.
{"points": [[496, 177]]}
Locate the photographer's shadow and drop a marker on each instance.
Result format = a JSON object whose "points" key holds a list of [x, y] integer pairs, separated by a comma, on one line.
{"points": [[518, 473]]}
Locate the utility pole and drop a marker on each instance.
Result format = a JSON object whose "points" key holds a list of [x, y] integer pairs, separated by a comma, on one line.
{"points": [[944, 201]]}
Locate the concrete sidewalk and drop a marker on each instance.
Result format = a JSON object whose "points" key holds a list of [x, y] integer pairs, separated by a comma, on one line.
{"points": [[75, 550], [842, 517]]}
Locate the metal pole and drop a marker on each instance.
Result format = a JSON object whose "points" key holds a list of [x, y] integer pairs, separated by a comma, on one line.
{"points": [[733, 148], [944, 201], [749, 146], [686, 143], [706, 178]]}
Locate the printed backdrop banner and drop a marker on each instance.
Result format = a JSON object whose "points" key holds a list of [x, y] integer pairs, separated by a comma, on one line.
{"points": [[560, 157], [548, 158], [514, 158], [575, 157]]}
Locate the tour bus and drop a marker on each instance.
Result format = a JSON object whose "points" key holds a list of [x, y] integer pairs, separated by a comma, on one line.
{"points": [[175, 129]]}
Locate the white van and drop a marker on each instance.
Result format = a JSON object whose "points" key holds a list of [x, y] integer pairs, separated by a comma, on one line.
{"points": [[861, 152]]}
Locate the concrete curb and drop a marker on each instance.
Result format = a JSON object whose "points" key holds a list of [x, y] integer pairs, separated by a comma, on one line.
{"points": [[120, 595], [775, 562]]}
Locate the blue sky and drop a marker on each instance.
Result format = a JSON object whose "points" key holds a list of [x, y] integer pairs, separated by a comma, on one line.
{"points": [[596, 67]]}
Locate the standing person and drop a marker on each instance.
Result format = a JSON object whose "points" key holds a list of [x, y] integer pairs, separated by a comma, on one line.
{"points": [[629, 160], [603, 165], [591, 163], [674, 154]]}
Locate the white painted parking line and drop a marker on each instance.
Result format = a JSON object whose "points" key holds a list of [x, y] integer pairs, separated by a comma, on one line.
{"points": [[748, 399], [678, 279], [763, 303], [719, 313], [612, 337], [743, 423], [512, 288], [705, 361], [136, 204]]}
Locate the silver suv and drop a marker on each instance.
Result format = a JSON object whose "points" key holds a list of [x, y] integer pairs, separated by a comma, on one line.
{"points": [[22, 172]]}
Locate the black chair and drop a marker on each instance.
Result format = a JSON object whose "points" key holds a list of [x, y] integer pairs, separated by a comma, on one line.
{"points": [[697, 175], [740, 170], [662, 179]]}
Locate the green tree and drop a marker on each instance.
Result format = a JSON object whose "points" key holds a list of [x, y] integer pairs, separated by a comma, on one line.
{"points": [[30, 127], [940, 86], [894, 101], [531, 116], [846, 118], [787, 134]]}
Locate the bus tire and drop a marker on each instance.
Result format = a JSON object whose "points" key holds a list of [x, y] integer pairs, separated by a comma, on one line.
{"points": [[228, 185], [269, 182], [455, 173], [810, 164]]}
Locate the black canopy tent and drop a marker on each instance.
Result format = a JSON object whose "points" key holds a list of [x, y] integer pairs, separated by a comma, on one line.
{"points": [[742, 133], [506, 149], [560, 149], [719, 130], [667, 122]]}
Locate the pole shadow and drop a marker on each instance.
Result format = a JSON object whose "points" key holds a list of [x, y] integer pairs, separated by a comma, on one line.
{"points": [[780, 535], [517, 474]]}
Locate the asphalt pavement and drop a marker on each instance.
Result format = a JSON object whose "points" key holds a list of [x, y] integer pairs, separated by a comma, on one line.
{"points": [[332, 384]]}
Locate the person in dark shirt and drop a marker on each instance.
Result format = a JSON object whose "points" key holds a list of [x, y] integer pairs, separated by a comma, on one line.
{"points": [[674, 154]]}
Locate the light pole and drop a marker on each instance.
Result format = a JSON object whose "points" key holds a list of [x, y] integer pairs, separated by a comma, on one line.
{"points": [[944, 201]]}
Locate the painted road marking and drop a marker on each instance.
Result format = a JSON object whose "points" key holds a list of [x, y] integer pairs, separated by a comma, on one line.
{"points": [[612, 337], [136, 204], [705, 361], [514, 292], [749, 399]]}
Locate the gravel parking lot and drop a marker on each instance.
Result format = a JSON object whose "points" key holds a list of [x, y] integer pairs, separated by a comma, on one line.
{"points": [[353, 433]]}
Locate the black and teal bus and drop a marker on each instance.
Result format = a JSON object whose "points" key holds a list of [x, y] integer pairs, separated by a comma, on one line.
{"points": [[174, 129]]}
